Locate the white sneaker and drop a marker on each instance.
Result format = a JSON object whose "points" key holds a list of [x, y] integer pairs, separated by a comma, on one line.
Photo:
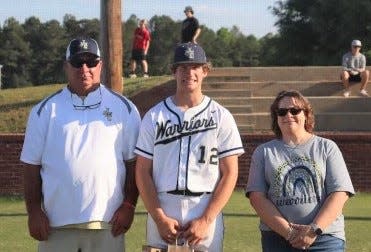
{"points": [[364, 93], [132, 76], [145, 76], [346, 93]]}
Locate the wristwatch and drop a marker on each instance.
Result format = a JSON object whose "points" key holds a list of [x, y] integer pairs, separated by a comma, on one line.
{"points": [[315, 229]]}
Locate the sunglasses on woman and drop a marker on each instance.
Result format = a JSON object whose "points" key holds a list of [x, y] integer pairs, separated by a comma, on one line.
{"points": [[284, 111]]}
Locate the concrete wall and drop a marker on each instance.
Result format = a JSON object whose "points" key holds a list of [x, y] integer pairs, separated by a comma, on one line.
{"points": [[354, 146]]}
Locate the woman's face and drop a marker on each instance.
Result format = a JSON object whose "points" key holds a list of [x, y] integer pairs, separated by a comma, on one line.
{"points": [[290, 116]]}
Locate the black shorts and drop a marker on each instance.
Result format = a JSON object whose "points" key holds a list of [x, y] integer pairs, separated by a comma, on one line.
{"points": [[138, 54], [355, 78]]}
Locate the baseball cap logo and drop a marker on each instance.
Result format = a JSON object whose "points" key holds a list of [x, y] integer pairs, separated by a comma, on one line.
{"points": [[84, 44], [190, 53]]}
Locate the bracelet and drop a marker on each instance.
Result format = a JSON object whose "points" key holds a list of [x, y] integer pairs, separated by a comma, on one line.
{"points": [[128, 204], [290, 233]]}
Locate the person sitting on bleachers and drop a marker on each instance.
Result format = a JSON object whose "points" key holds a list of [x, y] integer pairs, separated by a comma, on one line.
{"points": [[354, 69]]}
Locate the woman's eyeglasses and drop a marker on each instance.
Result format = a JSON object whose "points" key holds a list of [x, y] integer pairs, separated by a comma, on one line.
{"points": [[284, 111], [78, 63]]}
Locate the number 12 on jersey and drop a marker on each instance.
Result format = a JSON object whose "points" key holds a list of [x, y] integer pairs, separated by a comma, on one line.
{"points": [[213, 158]]}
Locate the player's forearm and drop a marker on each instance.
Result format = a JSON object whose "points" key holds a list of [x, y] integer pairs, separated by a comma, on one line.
{"points": [[32, 187], [131, 190], [224, 189], [146, 187], [149, 196]]}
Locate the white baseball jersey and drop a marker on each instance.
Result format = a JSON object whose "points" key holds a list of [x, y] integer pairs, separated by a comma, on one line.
{"points": [[81, 151], [186, 145]]}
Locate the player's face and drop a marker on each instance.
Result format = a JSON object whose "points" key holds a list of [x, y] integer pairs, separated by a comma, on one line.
{"points": [[294, 120], [189, 77], [83, 73]]}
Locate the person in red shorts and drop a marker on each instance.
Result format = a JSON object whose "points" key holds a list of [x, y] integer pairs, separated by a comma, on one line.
{"points": [[141, 43]]}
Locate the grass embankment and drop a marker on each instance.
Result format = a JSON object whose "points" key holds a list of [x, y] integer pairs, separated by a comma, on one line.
{"points": [[241, 226], [15, 104]]}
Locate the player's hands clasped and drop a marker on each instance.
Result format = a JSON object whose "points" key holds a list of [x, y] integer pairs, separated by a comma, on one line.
{"points": [[168, 229], [195, 231]]}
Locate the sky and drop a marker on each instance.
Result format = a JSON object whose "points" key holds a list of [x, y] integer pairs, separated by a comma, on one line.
{"points": [[252, 17]]}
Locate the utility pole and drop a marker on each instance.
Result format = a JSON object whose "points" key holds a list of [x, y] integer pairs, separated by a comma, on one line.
{"points": [[111, 43]]}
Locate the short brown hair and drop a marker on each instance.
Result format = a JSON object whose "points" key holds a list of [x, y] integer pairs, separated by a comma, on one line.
{"points": [[206, 66], [305, 105]]}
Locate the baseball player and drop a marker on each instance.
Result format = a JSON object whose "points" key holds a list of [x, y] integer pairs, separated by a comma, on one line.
{"points": [[187, 163]]}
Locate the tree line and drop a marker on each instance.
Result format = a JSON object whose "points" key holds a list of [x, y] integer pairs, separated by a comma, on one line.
{"points": [[310, 32]]}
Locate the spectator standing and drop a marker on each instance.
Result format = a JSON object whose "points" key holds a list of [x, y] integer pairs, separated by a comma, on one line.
{"points": [[141, 42], [298, 183], [187, 166], [190, 27], [80, 190], [354, 69]]}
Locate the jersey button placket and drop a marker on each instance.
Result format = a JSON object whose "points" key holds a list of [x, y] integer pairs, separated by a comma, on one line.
{"points": [[183, 164], [183, 160]]}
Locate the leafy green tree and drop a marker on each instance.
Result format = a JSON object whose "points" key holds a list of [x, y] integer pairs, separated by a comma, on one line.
{"points": [[268, 53], [165, 36], [14, 55], [318, 32], [48, 49]]}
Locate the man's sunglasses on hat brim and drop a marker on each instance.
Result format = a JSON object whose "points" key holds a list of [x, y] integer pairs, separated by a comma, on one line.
{"points": [[79, 62]]}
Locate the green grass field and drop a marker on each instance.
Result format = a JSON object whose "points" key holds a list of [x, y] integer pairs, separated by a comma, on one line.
{"points": [[241, 232], [15, 104]]}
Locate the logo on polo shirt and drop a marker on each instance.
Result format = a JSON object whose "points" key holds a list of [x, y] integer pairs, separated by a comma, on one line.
{"points": [[107, 114]]}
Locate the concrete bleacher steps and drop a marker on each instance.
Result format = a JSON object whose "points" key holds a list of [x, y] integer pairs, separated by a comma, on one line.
{"points": [[284, 73], [249, 92], [332, 121], [269, 88]]}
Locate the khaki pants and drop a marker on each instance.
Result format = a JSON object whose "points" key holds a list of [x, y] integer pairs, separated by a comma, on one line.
{"points": [[82, 240]]}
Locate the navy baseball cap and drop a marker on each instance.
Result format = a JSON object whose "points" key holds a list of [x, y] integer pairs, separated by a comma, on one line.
{"points": [[82, 45], [189, 53]]}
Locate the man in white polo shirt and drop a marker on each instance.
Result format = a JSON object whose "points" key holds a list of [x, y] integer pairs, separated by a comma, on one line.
{"points": [[78, 151]]}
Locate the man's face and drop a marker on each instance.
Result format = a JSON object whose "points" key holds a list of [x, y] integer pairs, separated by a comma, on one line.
{"points": [[83, 73], [189, 77], [188, 13], [356, 49]]}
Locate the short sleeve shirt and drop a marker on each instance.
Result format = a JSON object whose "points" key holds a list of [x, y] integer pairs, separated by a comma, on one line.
{"points": [[298, 180]]}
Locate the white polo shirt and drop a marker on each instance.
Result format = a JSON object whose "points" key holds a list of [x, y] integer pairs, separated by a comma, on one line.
{"points": [[81, 151]]}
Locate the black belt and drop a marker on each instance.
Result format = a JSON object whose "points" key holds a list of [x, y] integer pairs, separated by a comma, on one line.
{"points": [[187, 193]]}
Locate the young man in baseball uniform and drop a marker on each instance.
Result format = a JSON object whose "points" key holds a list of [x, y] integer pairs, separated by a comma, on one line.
{"points": [[79, 160], [187, 164]]}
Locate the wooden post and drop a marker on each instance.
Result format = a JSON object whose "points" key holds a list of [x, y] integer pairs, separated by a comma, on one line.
{"points": [[111, 44]]}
